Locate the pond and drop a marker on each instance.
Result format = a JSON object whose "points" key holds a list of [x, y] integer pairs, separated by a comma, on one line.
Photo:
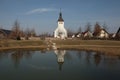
{"points": [[58, 65]]}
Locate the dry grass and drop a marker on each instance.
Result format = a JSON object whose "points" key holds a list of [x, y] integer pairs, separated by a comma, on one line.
{"points": [[107, 50], [87, 42], [14, 43], [106, 46]]}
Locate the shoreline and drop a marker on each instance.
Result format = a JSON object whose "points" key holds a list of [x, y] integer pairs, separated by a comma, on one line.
{"points": [[99, 48], [105, 46]]}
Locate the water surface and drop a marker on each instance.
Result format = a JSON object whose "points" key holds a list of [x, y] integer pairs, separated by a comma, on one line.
{"points": [[58, 65]]}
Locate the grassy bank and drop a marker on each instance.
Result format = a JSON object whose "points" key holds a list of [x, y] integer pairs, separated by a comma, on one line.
{"points": [[20, 43], [87, 42], [106, 46]]}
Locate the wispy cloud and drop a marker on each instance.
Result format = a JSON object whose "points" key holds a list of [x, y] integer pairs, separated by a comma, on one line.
{"points": [[40, 10]]}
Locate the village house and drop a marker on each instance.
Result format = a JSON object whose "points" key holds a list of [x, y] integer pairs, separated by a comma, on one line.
{"points": [[117, 35], [102, 33], [77, 35], [87, 34], [5, 33]]}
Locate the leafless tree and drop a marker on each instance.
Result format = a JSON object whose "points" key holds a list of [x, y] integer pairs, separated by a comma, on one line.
{"points": [[33, 33], [27, 33], [70, 32], [105, 26], [16, 32], [97, 29], [79, 30], [88, 27]]}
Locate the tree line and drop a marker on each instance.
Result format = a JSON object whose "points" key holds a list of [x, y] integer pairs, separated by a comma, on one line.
{"points": [[18, 32]]}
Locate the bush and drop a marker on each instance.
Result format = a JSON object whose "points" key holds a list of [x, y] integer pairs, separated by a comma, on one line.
{"points": [[18, 38]]}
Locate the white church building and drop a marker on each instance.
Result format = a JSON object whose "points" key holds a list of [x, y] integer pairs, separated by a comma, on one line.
{"points": [[60, 31]]}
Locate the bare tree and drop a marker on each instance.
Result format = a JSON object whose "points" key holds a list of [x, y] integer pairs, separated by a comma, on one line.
{"points": [[70, 32], [88, 27], [33, 33], [79, 30], [16, 32], [27, 33], [97, 29], [105, 26]]}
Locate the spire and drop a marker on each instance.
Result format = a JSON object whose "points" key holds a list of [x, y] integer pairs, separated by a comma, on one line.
{"points": [[60, 16]]}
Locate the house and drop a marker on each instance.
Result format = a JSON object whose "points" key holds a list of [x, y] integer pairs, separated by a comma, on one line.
{"points": [[4, 33], [87, 34], [117, 36], [77, 35], [102, 33]]}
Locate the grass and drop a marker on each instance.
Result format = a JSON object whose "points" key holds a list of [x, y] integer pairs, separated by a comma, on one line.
{"points": [[107, 46], [87, 42], [14, 43]]}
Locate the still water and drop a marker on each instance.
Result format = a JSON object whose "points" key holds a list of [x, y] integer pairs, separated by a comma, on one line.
{"points": [[58, 65]]}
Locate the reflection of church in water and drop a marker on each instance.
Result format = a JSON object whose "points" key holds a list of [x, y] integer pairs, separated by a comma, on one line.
{"points": [[60, 57]]}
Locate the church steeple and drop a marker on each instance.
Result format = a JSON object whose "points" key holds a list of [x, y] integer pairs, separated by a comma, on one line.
{"points": [[60, 16]]}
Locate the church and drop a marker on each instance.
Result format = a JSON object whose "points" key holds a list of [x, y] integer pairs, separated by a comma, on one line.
{"points": [[60, 31]]}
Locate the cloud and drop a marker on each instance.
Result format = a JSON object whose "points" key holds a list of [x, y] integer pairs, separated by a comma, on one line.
{"points": [[40, 10]]}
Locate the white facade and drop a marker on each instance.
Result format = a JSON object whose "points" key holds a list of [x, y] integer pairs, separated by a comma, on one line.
{"points": [[88, 34], [103, 34], [60, 31]]}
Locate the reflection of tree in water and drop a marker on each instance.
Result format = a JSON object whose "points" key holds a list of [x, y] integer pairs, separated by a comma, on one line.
{"points": [[28, 54], [88, 56], [119, 57], [4, 54], [79, 54], [97, 58], [111, 59], [1, 55], [43, 51], [18, 55], [68, 56]]}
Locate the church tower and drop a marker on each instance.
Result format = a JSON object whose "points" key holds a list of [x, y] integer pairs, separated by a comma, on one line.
{"points": [[60, 32]]}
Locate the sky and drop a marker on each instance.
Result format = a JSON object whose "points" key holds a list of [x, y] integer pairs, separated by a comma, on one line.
{"points": [[42, 15]]}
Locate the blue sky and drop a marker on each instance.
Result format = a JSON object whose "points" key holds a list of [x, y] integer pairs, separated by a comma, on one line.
{"points": [[43, 14]]}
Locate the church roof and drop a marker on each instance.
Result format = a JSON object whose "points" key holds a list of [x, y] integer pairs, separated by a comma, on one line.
{"points": [[60, 17]]}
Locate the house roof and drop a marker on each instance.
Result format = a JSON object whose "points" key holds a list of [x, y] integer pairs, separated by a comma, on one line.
{"points": [[6, 31], [98, 32], [118, 33]]}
